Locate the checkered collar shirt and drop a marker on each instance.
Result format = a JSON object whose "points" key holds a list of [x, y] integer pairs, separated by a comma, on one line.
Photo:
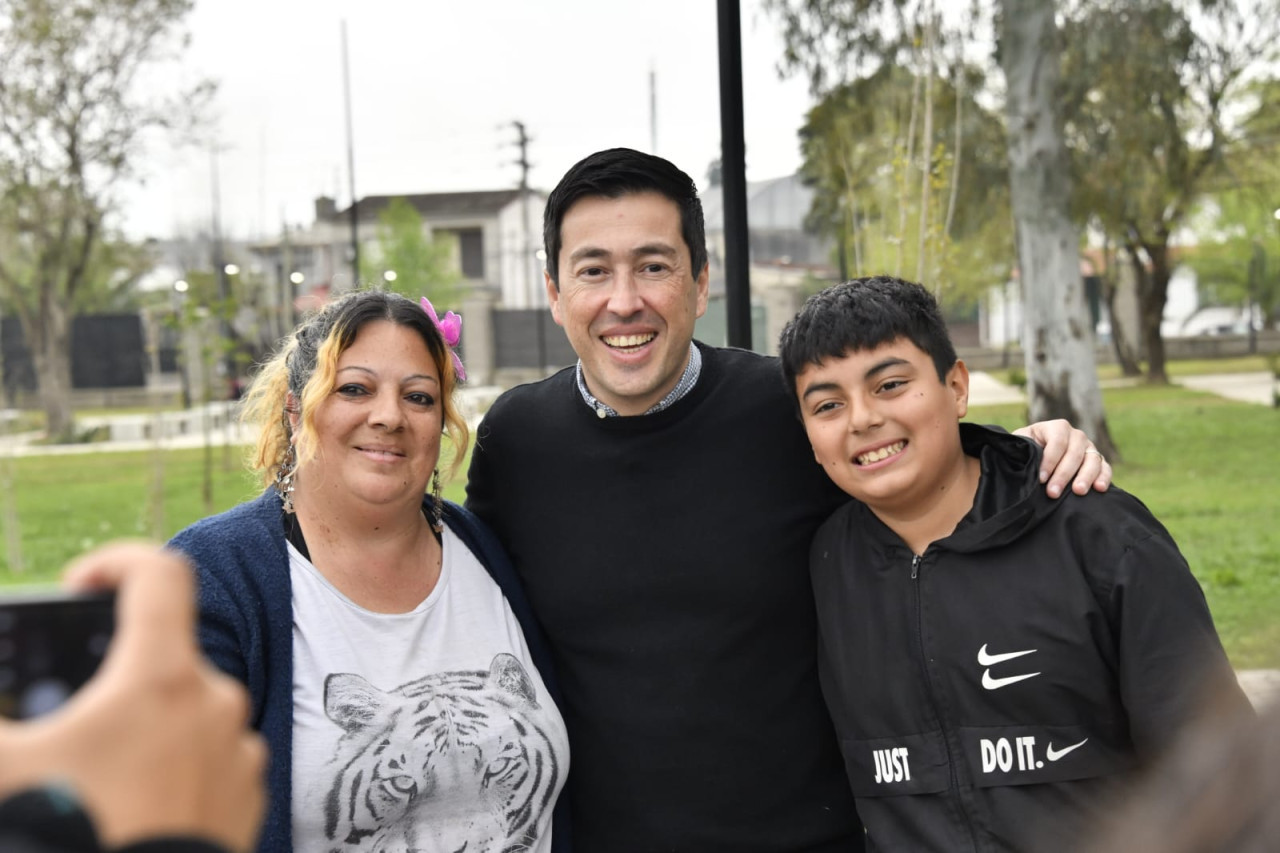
{"points": [[687, 380]]}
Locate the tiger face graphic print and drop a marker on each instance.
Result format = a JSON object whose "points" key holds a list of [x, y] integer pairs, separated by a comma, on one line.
{"points": [[456, 761]]}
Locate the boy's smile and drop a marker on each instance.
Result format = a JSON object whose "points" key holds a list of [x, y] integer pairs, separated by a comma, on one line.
{"points": [[884, 427]]}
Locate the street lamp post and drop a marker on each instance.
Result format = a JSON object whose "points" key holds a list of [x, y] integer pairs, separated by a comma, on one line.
{"points": [[296, 279], [224, 311], [180, 288]]}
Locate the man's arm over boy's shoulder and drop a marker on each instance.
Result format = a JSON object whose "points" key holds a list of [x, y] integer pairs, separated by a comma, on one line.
{"points": [[1172, 667]]}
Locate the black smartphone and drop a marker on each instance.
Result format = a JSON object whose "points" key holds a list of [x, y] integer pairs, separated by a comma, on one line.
{"points": [[51, 643]]}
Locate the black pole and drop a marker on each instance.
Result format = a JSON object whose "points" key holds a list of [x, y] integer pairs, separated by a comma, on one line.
{"points": [[351, 165], [737, 281]]}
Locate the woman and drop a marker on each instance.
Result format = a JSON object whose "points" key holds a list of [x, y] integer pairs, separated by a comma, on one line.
{"points": [[392, 660]]}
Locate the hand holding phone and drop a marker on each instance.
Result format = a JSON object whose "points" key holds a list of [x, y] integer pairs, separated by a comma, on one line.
{"points": [[156, 744]]}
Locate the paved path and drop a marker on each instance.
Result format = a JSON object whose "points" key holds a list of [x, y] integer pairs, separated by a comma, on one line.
{"points": [[1260, 387], [986, 390], [1262, 686], [474, 402], [1256, 387], [20, 445]]}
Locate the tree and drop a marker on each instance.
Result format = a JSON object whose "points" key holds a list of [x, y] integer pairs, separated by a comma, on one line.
{"points": [[1237, 255], [72, 116], [854, 148], [422, 264], [1057, 339], [1149, 89], [856, 38]]}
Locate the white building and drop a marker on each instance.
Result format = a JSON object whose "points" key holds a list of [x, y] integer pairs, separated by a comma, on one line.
{"points": [[1001, 312], [494, 235]]}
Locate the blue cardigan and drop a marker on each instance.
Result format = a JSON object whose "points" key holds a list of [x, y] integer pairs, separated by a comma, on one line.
{"points": [[246, 629]]}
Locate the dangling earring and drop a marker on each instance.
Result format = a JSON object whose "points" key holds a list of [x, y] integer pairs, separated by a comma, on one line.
{"points": [[284, 478], [437, 504]]}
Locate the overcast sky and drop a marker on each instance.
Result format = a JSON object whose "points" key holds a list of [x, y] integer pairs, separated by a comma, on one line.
{"points": [[435, 86]]}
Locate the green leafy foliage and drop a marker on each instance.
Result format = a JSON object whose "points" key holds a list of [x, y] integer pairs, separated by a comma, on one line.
{"points": [[1237, 255], [423, 264], [1150, 89], [855, 145], [1237, 249], [854, 43]]}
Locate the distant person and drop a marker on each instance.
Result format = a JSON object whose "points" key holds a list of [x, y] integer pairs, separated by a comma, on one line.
{"points": [[658, 500], [390, 655], [154, 753], [995, 661]]}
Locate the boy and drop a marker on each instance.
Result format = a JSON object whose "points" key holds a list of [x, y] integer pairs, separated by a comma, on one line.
{"points": [[993, 659]]}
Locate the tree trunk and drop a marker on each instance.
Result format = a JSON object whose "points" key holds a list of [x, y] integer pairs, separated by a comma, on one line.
{"points": [[903, 189], [1125, 345], [1062, 378], [51, 354], [851, 212], [1153, 292], [1126, 353]]}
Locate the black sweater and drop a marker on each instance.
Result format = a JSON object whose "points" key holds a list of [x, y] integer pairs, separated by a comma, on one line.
{"points": [[665, 556]]}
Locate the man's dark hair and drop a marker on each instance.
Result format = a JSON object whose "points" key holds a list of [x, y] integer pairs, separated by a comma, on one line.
{"points": [[862, 314], [613, 174]]}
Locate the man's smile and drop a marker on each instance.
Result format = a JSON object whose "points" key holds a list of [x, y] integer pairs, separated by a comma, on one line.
{"points": [[628, 342]]}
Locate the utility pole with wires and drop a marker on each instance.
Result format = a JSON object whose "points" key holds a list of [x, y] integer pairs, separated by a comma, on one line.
{"points": [[353, 213], [529, 281], [528, 261]]}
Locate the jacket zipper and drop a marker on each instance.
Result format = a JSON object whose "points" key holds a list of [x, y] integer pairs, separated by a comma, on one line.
{"points": [[916, 560]]}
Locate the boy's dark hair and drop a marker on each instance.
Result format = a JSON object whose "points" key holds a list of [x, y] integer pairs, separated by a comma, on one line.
{"points": [[613, 174], [862, 314]]}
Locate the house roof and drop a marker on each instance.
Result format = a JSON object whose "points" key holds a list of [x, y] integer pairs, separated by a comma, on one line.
{"points": [[453, 205], [776, 204]]}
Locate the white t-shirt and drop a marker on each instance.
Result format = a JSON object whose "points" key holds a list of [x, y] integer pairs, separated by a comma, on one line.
{"points": [[426, 731]]}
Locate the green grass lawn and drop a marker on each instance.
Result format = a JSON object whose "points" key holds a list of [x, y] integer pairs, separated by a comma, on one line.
{"points": [[67, 504], [1208, 468]]}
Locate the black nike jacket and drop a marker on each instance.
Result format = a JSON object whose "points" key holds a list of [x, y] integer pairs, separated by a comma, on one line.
{"points": [[991, 693]]}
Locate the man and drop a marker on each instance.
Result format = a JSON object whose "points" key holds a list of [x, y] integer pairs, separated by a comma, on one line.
{"points": [[658, 501]]}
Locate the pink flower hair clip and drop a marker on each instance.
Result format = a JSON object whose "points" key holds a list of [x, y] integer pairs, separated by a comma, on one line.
{"points": [[451, 330]]}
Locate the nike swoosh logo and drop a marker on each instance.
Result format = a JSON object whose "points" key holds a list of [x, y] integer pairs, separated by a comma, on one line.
{"points": [[985, 659], [1054, 754], [996, 683]]}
